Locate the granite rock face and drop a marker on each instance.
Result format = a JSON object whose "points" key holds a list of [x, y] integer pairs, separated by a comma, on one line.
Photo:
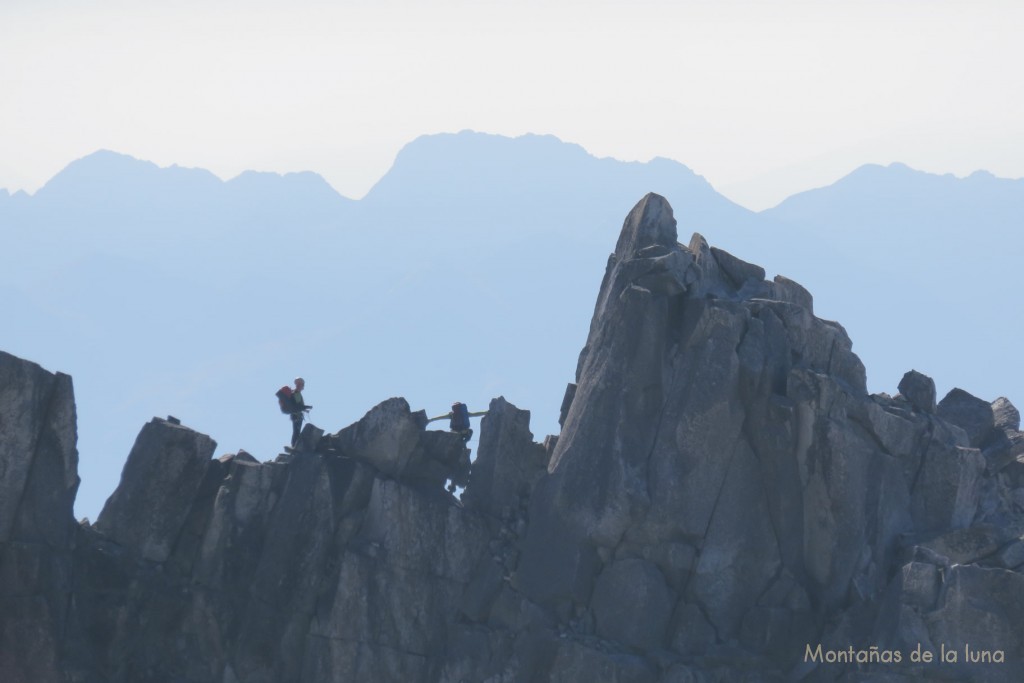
{"points": [[164, 472], [919, 390], [38, 482], [725, 502]]}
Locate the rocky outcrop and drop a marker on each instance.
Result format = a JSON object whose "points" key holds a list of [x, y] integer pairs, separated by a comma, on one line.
{"points": [[162, 477], [919, 390], [38, 481], [509, 464], [725, 502]]}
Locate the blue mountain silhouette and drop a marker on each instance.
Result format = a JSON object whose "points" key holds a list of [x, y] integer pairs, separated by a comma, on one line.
{"points": [[468, 271]]}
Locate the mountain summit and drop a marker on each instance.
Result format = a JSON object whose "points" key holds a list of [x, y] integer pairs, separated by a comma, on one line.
{"points": [[498, 173], [110, 182]]}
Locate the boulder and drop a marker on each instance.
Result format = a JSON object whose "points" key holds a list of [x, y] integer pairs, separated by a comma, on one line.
{"points": [[1005, 415], [738, 270], [970, 413], [784, 289], [160, 479], [384, 438], [919, 391]]}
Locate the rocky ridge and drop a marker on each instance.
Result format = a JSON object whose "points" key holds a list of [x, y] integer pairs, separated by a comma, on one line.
{"points": [[724, 502]]}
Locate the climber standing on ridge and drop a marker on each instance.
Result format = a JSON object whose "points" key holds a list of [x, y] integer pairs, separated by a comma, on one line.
{"points": [[294, 406], [459, 420]]}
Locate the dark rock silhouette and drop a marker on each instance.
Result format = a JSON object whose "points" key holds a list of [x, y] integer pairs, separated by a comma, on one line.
{"points": [[725, 502], [38, 482], [919, 389]]}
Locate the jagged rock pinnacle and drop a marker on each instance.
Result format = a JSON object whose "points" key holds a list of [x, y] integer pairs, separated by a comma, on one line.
{"points": [[650, 223]]}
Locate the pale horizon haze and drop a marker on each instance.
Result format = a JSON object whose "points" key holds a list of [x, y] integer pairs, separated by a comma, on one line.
{"points": [[763, 99]]}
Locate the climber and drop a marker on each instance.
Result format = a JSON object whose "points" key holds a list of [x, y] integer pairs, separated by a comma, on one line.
{"points": [[459, 417], [294, 406]]}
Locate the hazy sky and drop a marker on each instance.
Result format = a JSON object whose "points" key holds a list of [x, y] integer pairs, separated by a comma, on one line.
{"points": [[762, 98]]}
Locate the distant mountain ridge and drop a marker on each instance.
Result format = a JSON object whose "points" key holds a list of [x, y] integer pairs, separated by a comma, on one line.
{"points": [[429, 160], [900, 182], [468, 167], [466, 272], [110, 181], [468, 163]]}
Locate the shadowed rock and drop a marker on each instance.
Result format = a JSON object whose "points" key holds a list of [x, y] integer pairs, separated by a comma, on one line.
{"points": [[1005, 414], [970, 413], [508, 464], [38, 481], [919, 390], [164, 471], [385, 437]]}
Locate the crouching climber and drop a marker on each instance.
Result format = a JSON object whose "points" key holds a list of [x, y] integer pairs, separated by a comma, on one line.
{"points": [[459, 424], [459, 417]]}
